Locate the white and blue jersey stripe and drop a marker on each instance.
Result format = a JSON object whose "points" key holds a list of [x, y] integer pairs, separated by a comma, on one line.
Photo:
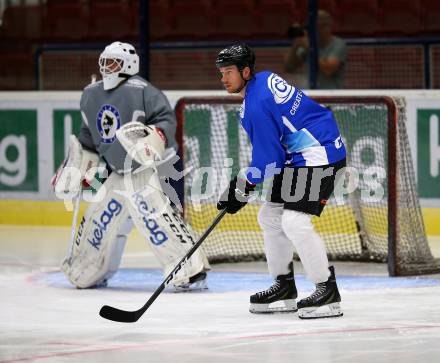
{"points": [[286, 127]]}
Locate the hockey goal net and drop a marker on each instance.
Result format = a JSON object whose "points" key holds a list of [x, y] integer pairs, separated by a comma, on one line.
{"points": [[378, 219]]}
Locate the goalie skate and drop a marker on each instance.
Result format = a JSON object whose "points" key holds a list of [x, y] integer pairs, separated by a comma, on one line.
{"points": [[279, 298], [324, 302], [197, 282]]}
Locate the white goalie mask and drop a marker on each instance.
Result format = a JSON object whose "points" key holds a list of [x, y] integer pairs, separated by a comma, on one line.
{"points": [[117, 62]]}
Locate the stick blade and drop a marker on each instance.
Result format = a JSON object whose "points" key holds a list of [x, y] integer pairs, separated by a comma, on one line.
{"points": [[122, 316]]}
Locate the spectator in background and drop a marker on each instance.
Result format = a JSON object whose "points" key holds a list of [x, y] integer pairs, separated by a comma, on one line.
{"points": [[332, 52]]}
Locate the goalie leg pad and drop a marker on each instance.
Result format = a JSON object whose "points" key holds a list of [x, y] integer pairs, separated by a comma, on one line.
{"points": [[100, 240], [169, 236]]}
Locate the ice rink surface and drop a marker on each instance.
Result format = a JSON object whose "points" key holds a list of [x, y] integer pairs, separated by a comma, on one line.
{"points": [[44, 319]]}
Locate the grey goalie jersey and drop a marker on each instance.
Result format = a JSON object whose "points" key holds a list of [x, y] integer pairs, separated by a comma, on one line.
{"points": [[103, 112]]}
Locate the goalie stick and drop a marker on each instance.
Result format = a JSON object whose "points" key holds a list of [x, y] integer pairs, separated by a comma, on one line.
{"points": [[77, 200], [124, 316]]}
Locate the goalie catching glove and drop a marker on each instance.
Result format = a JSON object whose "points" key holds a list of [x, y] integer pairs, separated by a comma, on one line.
{"points": [[236, 196], [144, 143]]}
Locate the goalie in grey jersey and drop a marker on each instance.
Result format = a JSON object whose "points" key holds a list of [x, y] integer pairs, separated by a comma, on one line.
{"points": [[129, 125]]}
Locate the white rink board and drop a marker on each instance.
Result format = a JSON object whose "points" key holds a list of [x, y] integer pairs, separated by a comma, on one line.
{"points": [[46, 102]]}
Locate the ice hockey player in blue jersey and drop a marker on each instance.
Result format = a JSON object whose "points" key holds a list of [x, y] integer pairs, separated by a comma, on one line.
{"points": [[294, 140]]}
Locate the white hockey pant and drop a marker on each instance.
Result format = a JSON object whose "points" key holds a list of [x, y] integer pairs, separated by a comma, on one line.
{"points": [[284, 230]]}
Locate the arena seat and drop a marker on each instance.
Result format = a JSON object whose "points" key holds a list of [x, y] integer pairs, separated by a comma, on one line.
{"points": [[363, 19], [65, 20], [401, 17], [13, 25], [22, 22], [233, 20], [431, 16], [111, 20], [160, 19], [190, 20], [331, 6], [273, 18]]}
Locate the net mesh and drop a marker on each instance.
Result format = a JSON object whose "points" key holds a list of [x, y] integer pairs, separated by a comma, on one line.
{"points": [[379, 220]]}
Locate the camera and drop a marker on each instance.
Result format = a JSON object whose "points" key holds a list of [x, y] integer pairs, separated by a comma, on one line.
{"points": [[295, 31]]}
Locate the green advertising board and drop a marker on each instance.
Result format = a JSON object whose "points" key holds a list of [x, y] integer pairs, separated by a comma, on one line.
{"points": [[34, 136], [428, 152], [18, 150]]}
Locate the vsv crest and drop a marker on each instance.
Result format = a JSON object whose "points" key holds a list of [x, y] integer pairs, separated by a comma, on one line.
{"points": [[108, 121], [281, 90]]}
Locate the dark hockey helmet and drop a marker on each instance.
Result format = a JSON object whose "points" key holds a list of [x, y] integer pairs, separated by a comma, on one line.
{"points": [[240, 55]]}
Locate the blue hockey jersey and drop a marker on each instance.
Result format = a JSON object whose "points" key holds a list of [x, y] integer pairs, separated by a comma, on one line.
{"points": [[286, 127]]}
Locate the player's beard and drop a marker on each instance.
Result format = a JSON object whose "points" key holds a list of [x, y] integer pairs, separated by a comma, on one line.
{"points": [[239, 88]]}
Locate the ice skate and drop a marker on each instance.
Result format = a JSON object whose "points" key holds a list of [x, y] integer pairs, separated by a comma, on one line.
{"points": [[197, 282], [324, 302], [280, 297]]}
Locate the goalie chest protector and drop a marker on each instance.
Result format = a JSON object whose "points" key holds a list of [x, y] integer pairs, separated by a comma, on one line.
{"points": [[107, 111]]}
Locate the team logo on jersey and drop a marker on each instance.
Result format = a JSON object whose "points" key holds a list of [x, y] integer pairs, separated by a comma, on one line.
{"points": [[108, 122], [281, 90]]}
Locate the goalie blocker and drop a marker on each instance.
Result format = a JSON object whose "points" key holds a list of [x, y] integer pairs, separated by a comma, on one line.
{"points": [[80, 165]]}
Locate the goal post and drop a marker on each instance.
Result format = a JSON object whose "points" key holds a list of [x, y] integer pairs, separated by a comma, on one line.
{"points": [[377, 219]]}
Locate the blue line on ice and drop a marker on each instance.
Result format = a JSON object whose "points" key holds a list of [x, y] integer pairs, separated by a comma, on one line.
{"points": [[150, 279]]}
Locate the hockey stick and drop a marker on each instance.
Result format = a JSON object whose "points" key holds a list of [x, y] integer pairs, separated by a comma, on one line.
{"points": [[123, 316], [74, 218]]}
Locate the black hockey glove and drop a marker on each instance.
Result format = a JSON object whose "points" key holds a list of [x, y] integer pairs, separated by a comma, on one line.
{"points": [[235, 196]]}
